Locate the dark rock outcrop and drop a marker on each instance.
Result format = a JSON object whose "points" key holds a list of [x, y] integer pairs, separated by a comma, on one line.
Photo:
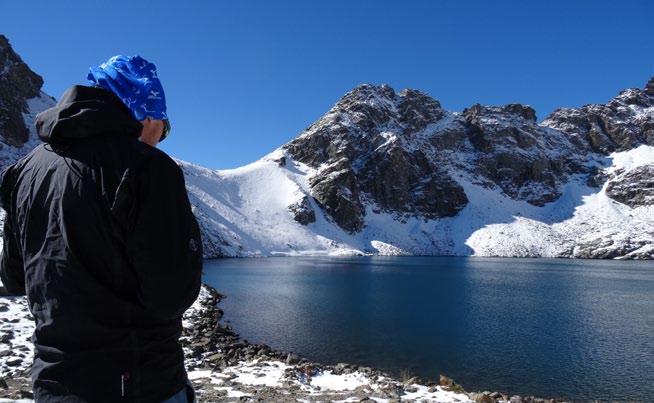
{"points": [[302, 211], [516, 154], [607, 247], [619, 125], [633, 188], [416, 110], [336, 191], [17, 84], [359, 151], [398, 180], [649, 87]]}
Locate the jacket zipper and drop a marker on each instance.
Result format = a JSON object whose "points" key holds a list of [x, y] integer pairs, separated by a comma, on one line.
{"points": [[123, 377]]}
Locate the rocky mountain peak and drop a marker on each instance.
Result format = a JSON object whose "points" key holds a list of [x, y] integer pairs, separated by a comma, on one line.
{"points": [[509, 111], [649, 87], [621, 124], [369, 93], [17, 84], [360, 150], [639, 97], [369, 106], [365, 107], [416, 110]]}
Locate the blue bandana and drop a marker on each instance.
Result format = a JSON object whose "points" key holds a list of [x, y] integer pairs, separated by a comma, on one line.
{"points": [[134, 80]]}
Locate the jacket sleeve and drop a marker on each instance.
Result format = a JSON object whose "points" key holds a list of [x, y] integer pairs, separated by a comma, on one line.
{"points": [[163, 243], [12, 272]]}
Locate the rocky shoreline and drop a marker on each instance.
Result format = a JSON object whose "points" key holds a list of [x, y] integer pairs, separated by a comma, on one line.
{"points": [[225, 367], [210, 345]]}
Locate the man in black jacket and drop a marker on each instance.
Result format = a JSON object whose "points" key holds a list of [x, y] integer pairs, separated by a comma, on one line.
{"points": [[100, 236]]}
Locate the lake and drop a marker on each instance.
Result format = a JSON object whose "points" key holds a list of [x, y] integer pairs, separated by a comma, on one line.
{"points": [[578, 329]]}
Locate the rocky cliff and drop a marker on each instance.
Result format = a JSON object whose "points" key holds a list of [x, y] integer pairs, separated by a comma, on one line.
{"points": [[399, 151], [21, 99]]}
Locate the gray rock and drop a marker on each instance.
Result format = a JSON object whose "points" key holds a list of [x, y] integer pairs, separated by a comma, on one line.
{"points": [[336, 191], [634, 188], [611, 247], [410, 381], [7, 336], [292, 359], [610, 127], [14, 362], [17, 84], [302, 211], [484, 398], [520, 157], [394, 151], [281, 161], [26, 394]]}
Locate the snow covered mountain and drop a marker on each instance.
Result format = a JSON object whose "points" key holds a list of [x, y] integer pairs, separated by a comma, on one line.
{"points": [[393, 173]]}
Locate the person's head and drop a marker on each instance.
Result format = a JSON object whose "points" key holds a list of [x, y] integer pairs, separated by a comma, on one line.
{"points": [[154, 130], [134, 80]]}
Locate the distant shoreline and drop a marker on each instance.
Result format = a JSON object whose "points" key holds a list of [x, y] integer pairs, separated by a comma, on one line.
{"points": [[300, 255]]}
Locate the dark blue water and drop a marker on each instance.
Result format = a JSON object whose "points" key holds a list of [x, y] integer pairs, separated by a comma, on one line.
{"points": [[546, 327]]}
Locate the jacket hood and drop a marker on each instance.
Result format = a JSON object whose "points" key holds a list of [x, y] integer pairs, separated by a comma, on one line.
{"points": [[86, 112]]}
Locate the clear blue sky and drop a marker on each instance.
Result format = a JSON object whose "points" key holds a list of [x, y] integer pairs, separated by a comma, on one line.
{"points": [[244, 77]]}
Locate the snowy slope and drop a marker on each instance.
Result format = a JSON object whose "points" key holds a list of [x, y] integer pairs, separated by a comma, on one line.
{"points": [[582, 223], [244, 211]]}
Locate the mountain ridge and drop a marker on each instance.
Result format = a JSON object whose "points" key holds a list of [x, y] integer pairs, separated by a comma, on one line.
{"points": [[393, 173]]}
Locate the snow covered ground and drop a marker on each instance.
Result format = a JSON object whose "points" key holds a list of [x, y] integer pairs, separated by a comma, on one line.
{"points": [[16, 328], [498, 226], [244, 212], [274, 374]]}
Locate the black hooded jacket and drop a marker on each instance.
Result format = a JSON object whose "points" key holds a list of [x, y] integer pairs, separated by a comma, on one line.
{"points": [[100, 236]]}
